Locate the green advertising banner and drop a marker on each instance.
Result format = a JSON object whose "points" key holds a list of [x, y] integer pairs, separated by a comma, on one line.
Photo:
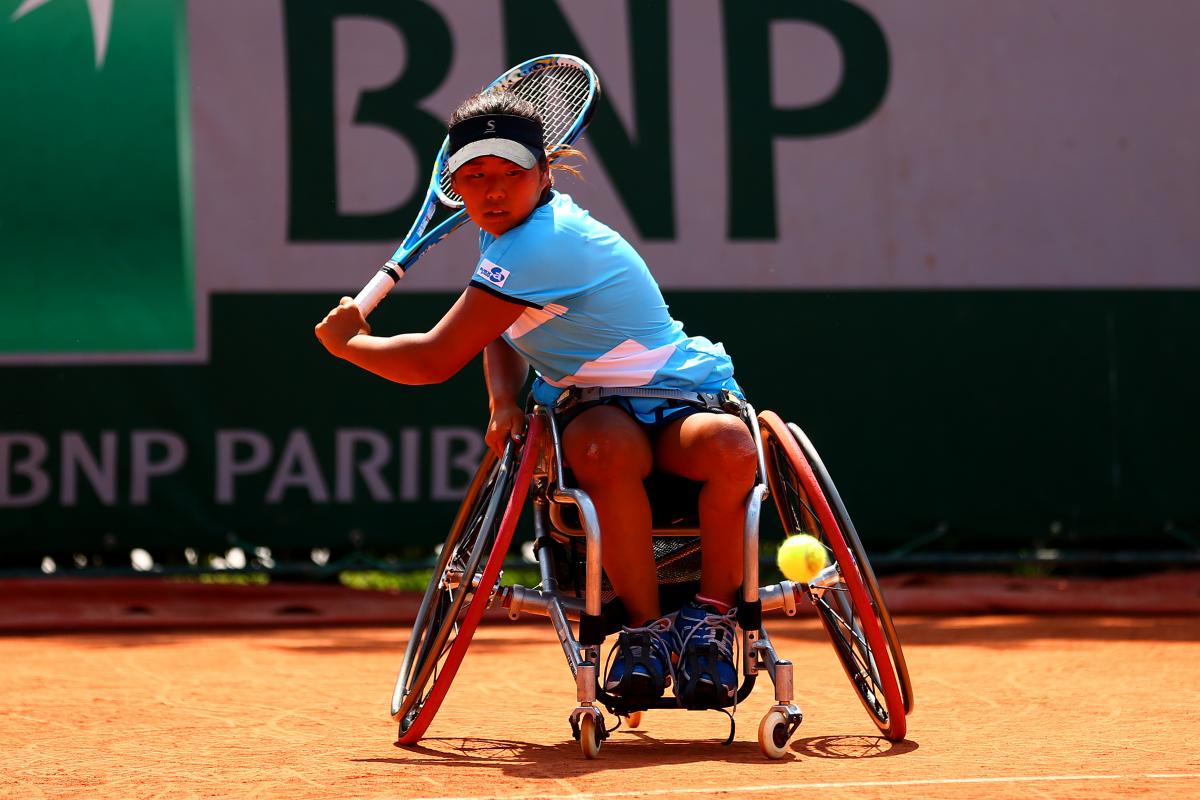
{"points": [[950, 241], [95, 169]]}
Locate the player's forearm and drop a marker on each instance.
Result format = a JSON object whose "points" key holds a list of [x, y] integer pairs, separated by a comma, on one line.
{"points": [[407, 358], [505, 372]]}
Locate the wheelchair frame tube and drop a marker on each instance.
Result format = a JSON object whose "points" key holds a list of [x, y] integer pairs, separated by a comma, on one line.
{"points": [[752, 420], [750, 544], [784, 596], [520, 601], [591, 527], [552, 424], [770, 659], [546, 600], [545, 566], [753, 513], [587, 515], [775, 597]]}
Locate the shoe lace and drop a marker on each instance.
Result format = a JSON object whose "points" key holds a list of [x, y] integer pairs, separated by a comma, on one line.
{"points": [[728, 646], [657, 631]]}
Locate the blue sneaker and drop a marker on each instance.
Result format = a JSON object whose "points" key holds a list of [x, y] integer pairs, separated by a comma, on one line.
{"points": [[704, 639], [639, 665]]}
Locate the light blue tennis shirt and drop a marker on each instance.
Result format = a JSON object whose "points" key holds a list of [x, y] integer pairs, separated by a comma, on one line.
{"points": [[594, 314]]}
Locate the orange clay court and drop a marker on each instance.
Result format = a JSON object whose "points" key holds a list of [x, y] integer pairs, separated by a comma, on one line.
{"points": [[1007, 705]]}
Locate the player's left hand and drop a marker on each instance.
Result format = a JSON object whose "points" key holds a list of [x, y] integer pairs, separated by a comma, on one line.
{"points": [[341, 324], [507, 422]]}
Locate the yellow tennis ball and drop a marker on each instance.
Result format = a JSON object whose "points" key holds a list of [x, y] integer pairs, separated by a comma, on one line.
{"points": [[801, 557]]}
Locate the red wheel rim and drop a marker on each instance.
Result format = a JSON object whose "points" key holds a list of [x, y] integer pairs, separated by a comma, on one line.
{"points": [[895, 727], [479, 601]]}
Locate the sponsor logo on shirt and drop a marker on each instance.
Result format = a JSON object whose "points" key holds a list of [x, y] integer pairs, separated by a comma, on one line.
{"points": [[492, 273]]}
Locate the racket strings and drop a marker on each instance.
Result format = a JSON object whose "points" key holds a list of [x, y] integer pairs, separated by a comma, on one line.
{"points": [[560, 94]]}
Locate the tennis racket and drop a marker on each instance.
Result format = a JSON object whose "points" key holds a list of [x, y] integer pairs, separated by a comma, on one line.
{"points": [[564, 90]]}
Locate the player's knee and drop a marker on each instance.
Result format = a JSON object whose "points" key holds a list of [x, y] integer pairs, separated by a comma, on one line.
{"points": [[604, 449], [731, 454], [608, 459]]}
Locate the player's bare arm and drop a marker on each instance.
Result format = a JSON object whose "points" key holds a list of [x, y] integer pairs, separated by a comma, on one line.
{"points": [[474, 320], [505, 372]]}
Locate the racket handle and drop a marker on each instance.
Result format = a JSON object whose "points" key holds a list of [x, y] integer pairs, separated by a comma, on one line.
{"points": [[374, 292]]}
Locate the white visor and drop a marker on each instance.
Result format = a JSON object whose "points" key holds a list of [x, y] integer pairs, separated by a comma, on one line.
{"points": [[507, 149]]}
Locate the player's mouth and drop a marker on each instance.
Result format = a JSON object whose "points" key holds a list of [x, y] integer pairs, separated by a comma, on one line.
{"points": [[493, 213]]}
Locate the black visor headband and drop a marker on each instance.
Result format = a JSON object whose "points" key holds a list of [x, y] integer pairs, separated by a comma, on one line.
{"points": [[507, 136]]}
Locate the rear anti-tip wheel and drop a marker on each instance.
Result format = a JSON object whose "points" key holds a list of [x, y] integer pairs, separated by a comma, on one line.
{"points": [[773, 734], [633, 719]]}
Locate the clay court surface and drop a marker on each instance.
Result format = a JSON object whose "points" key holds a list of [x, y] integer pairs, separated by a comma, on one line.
{"points": [[1006, 706]]}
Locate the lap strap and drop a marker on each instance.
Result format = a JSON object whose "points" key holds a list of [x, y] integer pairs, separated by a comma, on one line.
{"points": [[723, 401]]}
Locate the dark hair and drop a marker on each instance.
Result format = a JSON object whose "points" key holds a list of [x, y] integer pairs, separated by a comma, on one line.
{"points": [[499, 102], [505, 102]]}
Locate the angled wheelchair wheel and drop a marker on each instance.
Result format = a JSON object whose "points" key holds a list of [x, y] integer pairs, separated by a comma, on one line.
{"points": [[845, 594], [860, 554], [464, 580]]}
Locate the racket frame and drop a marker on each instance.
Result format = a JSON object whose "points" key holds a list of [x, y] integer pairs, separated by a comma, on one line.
{"points": [[417, 241]]}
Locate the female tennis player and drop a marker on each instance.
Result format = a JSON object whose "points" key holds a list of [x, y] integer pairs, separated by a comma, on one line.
{"points": [[557, 290]]}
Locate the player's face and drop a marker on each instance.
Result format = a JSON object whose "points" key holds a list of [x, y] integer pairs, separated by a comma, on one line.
{"points": [[498, 193]]}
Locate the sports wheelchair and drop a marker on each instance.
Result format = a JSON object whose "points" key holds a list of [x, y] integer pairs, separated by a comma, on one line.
{"points": [[573, 588]]}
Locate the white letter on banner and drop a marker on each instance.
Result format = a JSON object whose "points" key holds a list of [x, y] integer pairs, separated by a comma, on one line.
{"points": [[466, 461], [298, 467], [228, 467], [379, 455], [77, 456], [142, 468], [30, 467], [410, 463]]}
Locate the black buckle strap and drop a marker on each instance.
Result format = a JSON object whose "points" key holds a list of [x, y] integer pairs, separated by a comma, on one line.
{"points": [[731, 403], [749, 615], [722, 401]]}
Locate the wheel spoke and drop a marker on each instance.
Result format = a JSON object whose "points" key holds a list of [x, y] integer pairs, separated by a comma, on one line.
{"points": [[850, 641], [862, 676]]}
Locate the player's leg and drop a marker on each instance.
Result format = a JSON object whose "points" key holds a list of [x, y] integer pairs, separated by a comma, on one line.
{"points": [[718, 450], [610, 455]]}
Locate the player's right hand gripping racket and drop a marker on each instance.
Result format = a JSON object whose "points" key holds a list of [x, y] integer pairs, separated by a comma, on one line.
{"points": [[564, 89]]}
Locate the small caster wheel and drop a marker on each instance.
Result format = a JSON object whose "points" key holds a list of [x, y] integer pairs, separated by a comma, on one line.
{"points": [[634, 719], [589, 735], [773, 734]]}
